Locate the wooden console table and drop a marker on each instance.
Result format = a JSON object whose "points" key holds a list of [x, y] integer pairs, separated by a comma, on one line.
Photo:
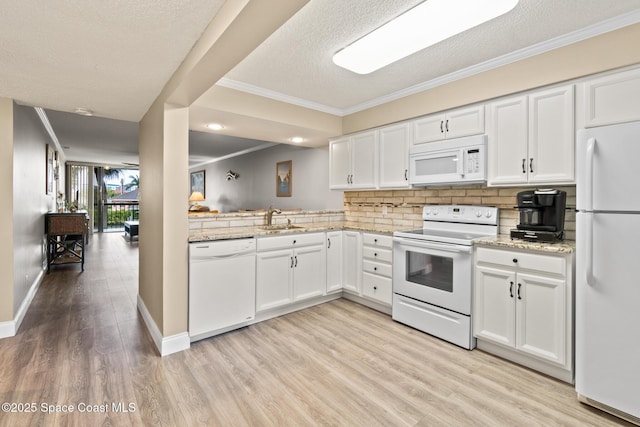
{"points": [[66, 238]]}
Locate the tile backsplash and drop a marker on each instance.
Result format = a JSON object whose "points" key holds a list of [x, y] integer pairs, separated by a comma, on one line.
{"points": [[402, 209]]}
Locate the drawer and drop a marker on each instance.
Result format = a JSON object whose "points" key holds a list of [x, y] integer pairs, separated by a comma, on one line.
{"points": [[523, 260], [376, 268], [377, 288], [290, 241], [377, 254], [377, 240]]}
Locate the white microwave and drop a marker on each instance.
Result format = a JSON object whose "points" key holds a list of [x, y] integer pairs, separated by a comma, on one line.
{"points": [[449, 162]]}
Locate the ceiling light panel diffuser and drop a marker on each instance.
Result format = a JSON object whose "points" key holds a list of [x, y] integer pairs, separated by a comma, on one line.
{"points": [[426, 24]]}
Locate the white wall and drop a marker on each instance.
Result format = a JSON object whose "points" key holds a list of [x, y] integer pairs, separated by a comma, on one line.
{"points": [[256, 186], [29, 200]]}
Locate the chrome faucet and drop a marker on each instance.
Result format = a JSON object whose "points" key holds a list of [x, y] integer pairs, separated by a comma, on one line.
{"points": [[270, 212]]}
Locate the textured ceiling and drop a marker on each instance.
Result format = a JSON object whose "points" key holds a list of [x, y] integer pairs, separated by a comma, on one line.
{"points": [[114, 57], [296, 60]]}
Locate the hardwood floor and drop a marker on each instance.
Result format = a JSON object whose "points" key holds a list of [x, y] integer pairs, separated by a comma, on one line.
{"points": [[82, 342]]}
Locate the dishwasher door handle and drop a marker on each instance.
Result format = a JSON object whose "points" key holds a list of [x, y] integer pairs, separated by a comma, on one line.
{"points": [[214, 257]]}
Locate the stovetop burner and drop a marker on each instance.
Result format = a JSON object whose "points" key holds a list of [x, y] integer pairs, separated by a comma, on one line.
{"points": [[454, 224]]}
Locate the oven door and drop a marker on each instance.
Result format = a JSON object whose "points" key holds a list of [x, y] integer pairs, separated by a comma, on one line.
{"points": [[435, 273]]}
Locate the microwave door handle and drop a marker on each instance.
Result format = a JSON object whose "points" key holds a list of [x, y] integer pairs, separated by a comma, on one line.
{"points": [[461, 160]]}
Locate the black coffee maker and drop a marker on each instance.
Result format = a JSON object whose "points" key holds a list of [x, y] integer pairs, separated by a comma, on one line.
{"points": [[541, 215]]}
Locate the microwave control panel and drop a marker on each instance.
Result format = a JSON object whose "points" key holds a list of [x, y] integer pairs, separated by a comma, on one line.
{"points": [[473, 161]]}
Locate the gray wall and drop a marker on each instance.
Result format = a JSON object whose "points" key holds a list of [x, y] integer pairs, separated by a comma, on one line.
{"points": [[30, 202], [256, 186]]}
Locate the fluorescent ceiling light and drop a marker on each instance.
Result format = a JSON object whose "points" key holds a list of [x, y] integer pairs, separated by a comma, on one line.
{"points": [[426, 24]]}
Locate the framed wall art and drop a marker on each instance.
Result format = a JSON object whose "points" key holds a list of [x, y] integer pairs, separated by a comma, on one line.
{"points": [[198, 183], [284, 178], [49, 169]]}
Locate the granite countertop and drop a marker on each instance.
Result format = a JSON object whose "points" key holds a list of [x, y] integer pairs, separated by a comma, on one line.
{"points": [[259, 231], [505, 241]]}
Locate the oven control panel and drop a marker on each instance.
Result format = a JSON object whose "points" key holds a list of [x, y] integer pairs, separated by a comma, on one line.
{"points": [[461, 213]]}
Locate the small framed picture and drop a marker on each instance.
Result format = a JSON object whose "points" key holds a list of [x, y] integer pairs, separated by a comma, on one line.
{"points": [[198, 183], [49, 169], [284, 178]]}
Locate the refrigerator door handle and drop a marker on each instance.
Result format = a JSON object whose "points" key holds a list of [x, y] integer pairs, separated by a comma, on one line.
{"points": [[591, 148], [591, 281]]}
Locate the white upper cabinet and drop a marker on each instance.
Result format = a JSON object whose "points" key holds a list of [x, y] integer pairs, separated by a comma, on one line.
{"points": [[613, 98], [552, 136], [394, 156], [532, 138], [353, 161], [451, 124], [507, 129]]}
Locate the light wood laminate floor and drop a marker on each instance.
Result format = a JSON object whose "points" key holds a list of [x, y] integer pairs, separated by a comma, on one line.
{"points": [[82, 343]]}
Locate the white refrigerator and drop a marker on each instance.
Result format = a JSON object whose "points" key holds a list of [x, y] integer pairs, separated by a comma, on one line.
{"points": [[608, 269]]}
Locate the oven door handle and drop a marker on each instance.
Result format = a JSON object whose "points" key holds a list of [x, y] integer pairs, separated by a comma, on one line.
{"points": [[431, 245]]}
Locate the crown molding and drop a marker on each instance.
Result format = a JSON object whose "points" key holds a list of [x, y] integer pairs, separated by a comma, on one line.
{"points": [[546, 46], [539, 48], [277, 96]]}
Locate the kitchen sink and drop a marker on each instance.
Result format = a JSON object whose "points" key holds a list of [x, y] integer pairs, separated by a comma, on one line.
{"points": [[278, 227]]}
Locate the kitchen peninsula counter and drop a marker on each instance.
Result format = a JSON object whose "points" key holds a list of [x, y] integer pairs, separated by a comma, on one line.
{"points": [[237, 225], [259, 231]]}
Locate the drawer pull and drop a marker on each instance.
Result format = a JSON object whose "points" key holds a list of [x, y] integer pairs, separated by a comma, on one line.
{"points": [[375, 254], [375, 288], [375, 268], [515, 260]]}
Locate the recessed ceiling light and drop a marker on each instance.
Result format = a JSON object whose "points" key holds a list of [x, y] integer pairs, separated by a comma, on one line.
{"points": [[426, 24], [297, 139], [83, 111], [215, 126]]}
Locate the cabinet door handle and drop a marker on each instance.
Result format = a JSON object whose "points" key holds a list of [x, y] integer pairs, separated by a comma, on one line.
{"points": [[441, 124], [446, 125], [328, 242], [296, 257], [406, 178], [291, 262], [531, 165], [524, 162], [519, 285], [511, 289]]}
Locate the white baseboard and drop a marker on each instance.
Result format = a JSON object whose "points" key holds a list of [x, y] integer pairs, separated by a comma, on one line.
{"points": [[10, 328], [165, 345]]}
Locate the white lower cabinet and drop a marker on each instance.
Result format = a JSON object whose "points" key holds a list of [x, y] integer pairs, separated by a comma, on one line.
{"points": [[376, 267], [334, 261], [289, 269], [352, 261], [523, 308]]}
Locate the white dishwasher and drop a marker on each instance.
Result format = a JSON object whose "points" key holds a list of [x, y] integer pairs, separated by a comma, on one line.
{"points": [[222, 286]]}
